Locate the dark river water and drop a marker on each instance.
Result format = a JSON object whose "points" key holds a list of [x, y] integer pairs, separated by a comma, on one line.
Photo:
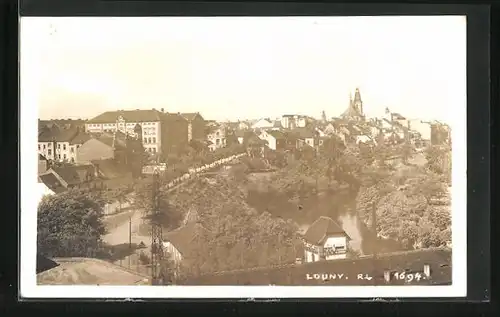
{"points": [[339, 205]]}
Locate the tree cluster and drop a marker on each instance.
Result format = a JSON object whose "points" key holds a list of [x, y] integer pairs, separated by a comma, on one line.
{"points": [[70, 224], [235, 236]]}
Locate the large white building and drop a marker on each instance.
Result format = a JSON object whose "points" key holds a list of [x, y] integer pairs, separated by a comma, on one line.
{"points": [[126, 121]]}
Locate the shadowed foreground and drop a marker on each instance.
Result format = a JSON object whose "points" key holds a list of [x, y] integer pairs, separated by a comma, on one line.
{"points": [[409, 262]]}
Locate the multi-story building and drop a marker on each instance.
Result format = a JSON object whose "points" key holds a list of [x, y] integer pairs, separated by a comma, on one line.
{"points": [[162, 132], [216, 135], [125, 122], [196, 126], [60, 145]]}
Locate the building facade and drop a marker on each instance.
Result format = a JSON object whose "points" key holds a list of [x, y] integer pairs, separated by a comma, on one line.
{"points": [[195, 126], [325, 240], [125, 121]]}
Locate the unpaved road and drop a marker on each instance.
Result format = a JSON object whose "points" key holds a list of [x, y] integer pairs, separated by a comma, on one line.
{"points": [[120, 234]]}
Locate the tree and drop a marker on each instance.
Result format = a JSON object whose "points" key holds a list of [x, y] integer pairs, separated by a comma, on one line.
{"points": [[170, 216], [70, 224]]}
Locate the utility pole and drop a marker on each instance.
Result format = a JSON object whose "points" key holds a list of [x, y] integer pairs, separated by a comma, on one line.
{"points": [[156, 233], [130, 232]]}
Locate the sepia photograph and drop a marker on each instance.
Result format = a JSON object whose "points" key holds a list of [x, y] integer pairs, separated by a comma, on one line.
{"points": [[301, 156]]}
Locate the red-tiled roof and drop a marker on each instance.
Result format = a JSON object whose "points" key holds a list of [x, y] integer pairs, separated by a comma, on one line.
{"points": [[321, 229], [128, 115]]}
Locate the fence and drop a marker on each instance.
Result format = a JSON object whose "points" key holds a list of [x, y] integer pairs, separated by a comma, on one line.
{"points": [[192, 172], [132, 262]]}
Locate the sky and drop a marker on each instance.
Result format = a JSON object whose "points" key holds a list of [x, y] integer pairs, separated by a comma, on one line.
{"points": [[230, 68]]}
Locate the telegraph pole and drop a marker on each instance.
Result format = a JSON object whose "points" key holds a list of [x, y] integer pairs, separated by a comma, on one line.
{"points": [[156, 233]]}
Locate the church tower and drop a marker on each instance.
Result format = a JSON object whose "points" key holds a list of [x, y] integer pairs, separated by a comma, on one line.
{"points": [[357, 102], [355, 109]]}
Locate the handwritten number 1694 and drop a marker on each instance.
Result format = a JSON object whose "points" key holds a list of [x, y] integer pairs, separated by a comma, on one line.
{"points": [[408, 277]]}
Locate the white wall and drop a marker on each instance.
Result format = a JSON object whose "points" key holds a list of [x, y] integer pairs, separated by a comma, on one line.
{"points": [[174, 253], [423, 128], [336, 241]]}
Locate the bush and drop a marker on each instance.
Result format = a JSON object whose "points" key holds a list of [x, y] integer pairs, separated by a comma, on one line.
{"points": [[144, 258]]}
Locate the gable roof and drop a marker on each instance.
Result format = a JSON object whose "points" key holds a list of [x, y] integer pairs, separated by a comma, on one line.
{"points": [[278, 135], [51, 181], [303, 133], [321, 229], [55, 134], [80, 138], [128, 115], [109, 169], [182, 238], [73, 174], [190, 116]]}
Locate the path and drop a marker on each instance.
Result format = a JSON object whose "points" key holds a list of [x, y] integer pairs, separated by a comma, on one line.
{"points": [[120, 234]]}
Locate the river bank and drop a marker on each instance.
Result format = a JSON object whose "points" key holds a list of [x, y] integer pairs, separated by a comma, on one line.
{"points": [[339, 205]]}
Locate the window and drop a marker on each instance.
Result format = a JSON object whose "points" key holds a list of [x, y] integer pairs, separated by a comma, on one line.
{"points": [[38, 147], [154, 140], [72, 150], [72, 160], [50, 145], [218, 133], [49, 152], [58, 145], [44, 146], [59, 156], [64, 156], [149, 140], [64, 147], [153, 149], [217, 141]]}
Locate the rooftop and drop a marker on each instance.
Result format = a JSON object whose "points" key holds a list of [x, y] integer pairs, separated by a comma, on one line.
{"points": [[73, 174], [296, 274], [182, 237], [128, 115], [88, 271], [190, 116], [321, 229]]}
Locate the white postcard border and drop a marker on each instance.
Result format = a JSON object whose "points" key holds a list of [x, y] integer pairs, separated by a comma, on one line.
{"points": [[28, 161]]}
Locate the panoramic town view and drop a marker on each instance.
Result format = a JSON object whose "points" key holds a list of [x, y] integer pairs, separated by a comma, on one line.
{"points": [[315, 195]]}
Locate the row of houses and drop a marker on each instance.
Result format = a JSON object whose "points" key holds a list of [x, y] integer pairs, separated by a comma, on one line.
{"points": [[351, 126]]}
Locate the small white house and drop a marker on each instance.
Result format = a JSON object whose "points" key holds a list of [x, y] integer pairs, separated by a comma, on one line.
{"points": [[325, 240], [275, 139], [178, 243]]}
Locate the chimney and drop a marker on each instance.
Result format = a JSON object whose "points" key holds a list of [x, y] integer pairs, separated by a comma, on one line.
{"points": [[387, 276], [162, 110], [427, 270]]}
